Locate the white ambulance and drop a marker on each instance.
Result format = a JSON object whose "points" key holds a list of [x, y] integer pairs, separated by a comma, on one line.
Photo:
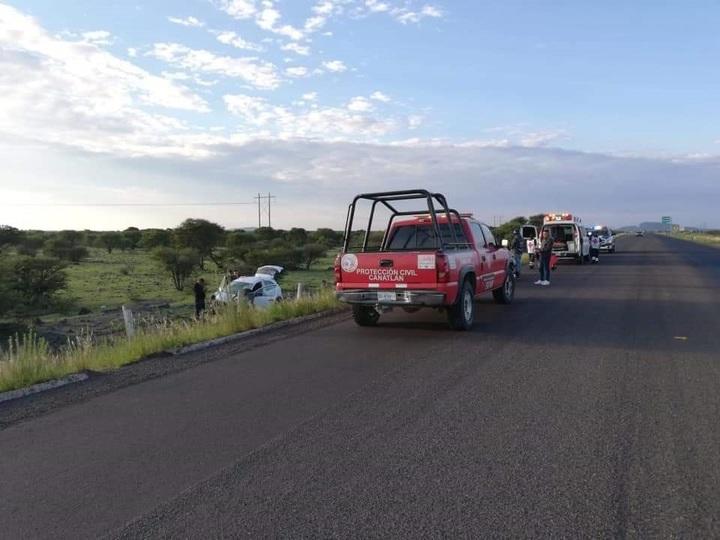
{"points": [[571, 239]]}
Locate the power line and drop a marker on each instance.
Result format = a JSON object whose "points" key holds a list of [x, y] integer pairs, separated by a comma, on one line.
{"points": [[130, 204]]}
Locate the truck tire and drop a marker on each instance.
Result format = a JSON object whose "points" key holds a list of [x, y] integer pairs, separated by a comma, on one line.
{"points": [[506, 293], [461, 315], [365, 315]]}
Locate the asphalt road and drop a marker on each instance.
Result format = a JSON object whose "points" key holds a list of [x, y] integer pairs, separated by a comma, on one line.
{"points": [[589, 408]]}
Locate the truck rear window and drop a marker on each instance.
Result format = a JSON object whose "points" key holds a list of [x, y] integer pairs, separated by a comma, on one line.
{"points": [[419, 237]]}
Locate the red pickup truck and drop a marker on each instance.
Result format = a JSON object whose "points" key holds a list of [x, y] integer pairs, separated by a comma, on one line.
{"points": [[432, 257]]}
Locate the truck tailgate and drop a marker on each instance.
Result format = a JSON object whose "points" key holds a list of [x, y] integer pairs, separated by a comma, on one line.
{"points": [[411, 269]]}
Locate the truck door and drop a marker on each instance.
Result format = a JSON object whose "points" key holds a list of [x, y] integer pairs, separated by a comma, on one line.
{"points": [[497, 262], [485, 276]]}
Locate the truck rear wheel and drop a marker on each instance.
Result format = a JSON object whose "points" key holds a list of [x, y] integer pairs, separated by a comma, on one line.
{"points": [[461, 315], [365, 315], [506, 293]]}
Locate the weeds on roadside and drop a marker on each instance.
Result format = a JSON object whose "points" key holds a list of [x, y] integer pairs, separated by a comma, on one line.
{"points": [[29, 359]]}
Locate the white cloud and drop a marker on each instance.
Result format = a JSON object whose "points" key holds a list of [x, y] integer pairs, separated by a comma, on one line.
{"points": [[376, 6], [303, 50], [336, 66], [360, 104], [187, 21], [541, 138], [523, 135], [310, 96], [231, 38], [268, 18], [97, 37], [132, 52], [239, 9], [404, 12], [75, 93], [379, 96], [299, 71], [256, 72], [414, 121], [263, 119]]}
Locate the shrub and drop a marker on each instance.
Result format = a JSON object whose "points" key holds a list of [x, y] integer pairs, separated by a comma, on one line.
{"points": [[179, 263], [38, 279]]}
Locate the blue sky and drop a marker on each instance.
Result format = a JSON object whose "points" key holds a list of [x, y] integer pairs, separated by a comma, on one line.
{"points": [[182, 101]]}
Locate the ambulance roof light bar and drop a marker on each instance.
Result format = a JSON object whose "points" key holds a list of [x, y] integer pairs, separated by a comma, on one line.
{"points": [[561, 216]]}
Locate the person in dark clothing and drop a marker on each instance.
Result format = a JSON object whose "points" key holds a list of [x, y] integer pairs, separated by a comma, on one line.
{"points": [[199, 290], [516, 249], [545, 252]]}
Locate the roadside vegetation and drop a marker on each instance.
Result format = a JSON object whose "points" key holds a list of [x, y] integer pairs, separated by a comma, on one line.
{"points": [[29, 359], [710, 238]]}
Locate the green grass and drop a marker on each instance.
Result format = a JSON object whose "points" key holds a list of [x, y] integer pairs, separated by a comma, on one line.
{"points": [[29, 360], [700, 238], [313, 279], [109, 280]]}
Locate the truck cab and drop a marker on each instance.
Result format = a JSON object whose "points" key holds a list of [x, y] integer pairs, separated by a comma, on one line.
{"points": [[430, 257], [571, 239]]}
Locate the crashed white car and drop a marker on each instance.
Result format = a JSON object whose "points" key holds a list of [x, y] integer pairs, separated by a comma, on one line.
{"points": [[259, 290]]}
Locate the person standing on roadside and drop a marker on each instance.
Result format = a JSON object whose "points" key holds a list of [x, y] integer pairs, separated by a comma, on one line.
{"points": [[544, 251], [516, 248], [595, 247], [199, 290], [531, 245]]}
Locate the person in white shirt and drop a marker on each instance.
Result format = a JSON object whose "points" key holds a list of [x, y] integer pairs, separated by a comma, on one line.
{"points": [[595, 248], [531, 245]]}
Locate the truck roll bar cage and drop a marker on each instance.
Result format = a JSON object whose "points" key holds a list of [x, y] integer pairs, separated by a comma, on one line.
{"points": [[387, 197]]}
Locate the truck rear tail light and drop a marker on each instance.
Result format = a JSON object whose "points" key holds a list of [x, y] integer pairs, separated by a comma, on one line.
{"points": [[443, 268], [337, 268]]}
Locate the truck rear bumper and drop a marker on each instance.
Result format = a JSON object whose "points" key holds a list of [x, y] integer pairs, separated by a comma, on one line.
{"points": [[392, 298]]}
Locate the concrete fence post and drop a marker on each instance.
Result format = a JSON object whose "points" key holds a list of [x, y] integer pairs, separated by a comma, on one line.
{"points": [[129, 322], [300, 289]]}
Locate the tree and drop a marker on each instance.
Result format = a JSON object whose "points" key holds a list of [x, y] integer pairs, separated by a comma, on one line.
{"points": [[311, 253], [201, 235], [297, 236], [29, 244], [65, 247], [9, 236], [505, 230], [132, 237], [111, 240], [152, 238], [38, 279], [327, 236], [8, 293], [265, 234], [287, 257], [180, 263], [536, 220]]}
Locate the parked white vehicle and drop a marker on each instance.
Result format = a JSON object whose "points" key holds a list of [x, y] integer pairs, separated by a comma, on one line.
{"points": [[607, 238], [571, 240], [259, 290]]}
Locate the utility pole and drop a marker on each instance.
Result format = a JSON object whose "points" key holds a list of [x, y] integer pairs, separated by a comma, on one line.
{"points": [[259, 215], [260, 198]]}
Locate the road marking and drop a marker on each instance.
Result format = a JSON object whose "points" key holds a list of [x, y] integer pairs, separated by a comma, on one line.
{"points": [[680, 338]]}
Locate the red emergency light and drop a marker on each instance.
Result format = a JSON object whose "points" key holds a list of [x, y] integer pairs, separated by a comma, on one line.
{"points": [[560, 217]]}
